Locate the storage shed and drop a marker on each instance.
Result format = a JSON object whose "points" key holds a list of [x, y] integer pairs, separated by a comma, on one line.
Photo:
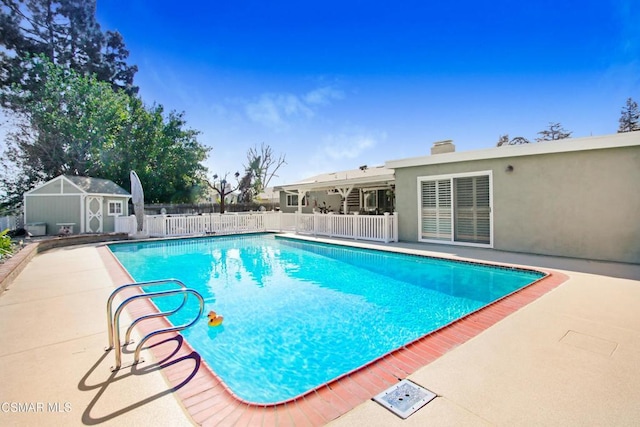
{"points": [[74, 204]]}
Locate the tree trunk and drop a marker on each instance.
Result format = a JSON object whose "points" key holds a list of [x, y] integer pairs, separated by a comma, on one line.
{"points": [[222, 202]]}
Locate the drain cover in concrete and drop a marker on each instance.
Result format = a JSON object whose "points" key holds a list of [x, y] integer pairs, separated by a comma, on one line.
{"points": [[590, 343], [404, 398]]}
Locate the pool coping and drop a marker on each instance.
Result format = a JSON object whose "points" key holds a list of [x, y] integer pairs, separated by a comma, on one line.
{"points": [[208, 400]]}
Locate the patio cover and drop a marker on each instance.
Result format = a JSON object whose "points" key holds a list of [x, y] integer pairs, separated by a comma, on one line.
{"points": [[343, 182]]}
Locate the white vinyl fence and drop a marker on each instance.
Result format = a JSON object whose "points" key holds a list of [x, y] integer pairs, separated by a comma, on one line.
{"points": [[382, 228], [10, 222]]}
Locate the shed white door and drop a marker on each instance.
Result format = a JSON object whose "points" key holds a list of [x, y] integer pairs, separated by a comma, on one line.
{"points": [[93, 209]]}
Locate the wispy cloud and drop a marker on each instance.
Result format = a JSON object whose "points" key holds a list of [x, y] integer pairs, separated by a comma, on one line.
{"points": [[278, 110], [323, 96], [629, 15], [346, 149], [274, 110], [351, 144], [169, 87]]}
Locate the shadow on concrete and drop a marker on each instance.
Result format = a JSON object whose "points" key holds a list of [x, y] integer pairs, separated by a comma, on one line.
{"points": [[113, 379]]}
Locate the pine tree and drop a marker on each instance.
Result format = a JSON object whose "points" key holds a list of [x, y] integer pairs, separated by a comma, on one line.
{"points": [[88, 129], [630, 117], [66, 32], [554, 132]]}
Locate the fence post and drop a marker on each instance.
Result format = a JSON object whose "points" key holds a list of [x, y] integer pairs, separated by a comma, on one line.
{"points": [[330, 220], [386, 227], [315, 222], [395, 227], [356, 225]]}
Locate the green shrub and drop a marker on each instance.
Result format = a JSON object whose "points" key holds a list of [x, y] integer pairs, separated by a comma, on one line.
{"points": [[5, 244]]}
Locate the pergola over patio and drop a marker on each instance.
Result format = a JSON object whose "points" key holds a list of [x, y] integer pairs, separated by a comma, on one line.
{"points": [[344, 183]]}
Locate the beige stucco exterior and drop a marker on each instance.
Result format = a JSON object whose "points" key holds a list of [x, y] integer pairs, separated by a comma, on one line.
{"points": [[571, 202]]}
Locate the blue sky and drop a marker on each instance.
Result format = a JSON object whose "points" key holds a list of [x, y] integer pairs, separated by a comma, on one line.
{"points": [[338, 84]]}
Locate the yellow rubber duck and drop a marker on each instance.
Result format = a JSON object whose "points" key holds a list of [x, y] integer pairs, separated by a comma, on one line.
{"points": [[214, 318]]}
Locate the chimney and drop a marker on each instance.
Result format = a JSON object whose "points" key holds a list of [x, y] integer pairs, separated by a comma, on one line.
{"points": [[443, 147]]}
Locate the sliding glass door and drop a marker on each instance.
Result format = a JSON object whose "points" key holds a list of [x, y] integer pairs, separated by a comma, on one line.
{"points": [[456, 208]]}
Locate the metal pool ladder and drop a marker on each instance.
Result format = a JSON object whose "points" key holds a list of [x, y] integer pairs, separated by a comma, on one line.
{"points": [[113, 320]]}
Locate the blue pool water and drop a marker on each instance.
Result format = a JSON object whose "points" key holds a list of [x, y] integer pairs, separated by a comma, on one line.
{"points": [[298, 314]]}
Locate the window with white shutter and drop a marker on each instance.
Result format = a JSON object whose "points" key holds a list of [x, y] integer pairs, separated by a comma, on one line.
{"points": [[472, 210], [436, 210], [456, 208]]}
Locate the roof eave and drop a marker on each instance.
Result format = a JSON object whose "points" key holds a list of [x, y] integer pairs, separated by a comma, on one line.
{"points": [[620, 140], [338, 183]]}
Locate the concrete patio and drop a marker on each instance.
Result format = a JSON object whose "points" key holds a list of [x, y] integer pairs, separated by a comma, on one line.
{"points": [[568, 358]]}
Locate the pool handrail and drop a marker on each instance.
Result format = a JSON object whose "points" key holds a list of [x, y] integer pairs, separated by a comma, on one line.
{"points": [[110, 318], [128, 340], [116, 321]]}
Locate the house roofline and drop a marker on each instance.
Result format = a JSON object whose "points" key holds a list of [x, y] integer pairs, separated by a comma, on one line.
{"points": [[325, 185], [618, 140]]}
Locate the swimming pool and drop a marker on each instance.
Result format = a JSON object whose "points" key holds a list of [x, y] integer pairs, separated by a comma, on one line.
{"points": [[299, 314]]}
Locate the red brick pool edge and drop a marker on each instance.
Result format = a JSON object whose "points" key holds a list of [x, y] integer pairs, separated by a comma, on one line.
{"points": [[209, 402]]}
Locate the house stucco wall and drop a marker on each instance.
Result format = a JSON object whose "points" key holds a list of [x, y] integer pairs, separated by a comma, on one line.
{"points": [[583, 204]]}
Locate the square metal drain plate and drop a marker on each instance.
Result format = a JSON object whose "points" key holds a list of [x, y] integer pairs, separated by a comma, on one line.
{"points": [[404, 398]]}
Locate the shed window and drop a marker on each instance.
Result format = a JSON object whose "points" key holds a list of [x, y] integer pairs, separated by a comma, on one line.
{"points": [[456, 208], [115, 208]]}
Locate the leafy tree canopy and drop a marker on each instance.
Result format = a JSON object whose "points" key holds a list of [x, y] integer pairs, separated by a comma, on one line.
{"points": [[66, 32], [74, 124]]}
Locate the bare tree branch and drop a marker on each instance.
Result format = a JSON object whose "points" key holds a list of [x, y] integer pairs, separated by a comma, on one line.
{"points": [[264, 165]]}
